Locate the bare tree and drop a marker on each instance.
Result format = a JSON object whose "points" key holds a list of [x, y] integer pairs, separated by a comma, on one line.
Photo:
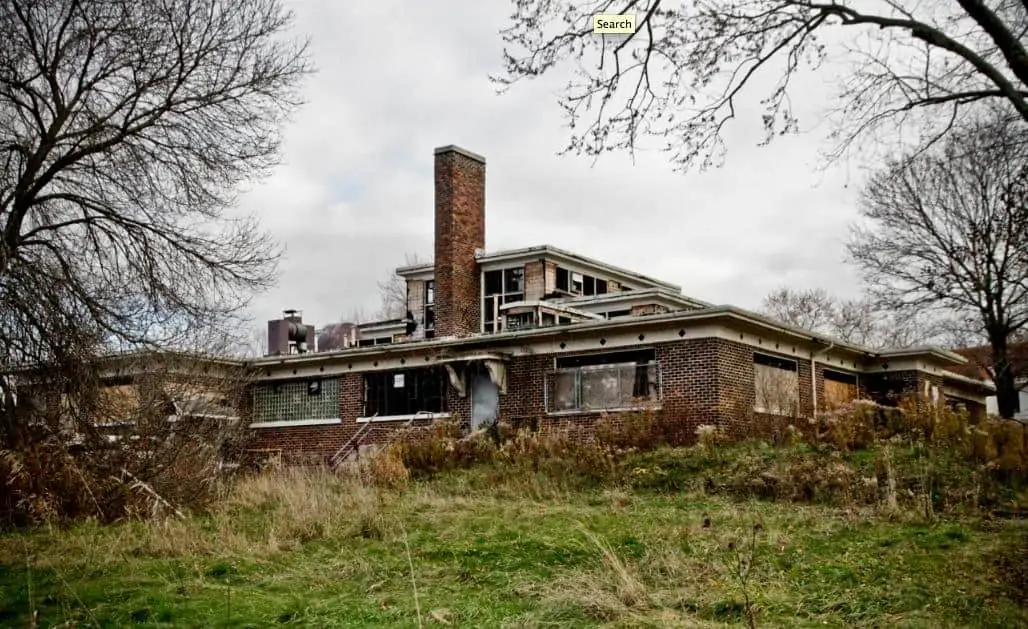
{"points": [[682, 75], [128, 433], [860, 321], [125, 128], [947, 230], [252, 343], [393, 292]]}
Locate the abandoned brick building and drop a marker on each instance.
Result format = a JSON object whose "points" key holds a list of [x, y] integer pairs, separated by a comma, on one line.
{"points": [[544, 335]]}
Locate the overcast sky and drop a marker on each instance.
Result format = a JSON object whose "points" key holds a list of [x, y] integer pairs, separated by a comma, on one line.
{"points": [[398, 78]]}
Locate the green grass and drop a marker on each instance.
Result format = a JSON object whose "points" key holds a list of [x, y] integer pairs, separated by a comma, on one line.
{"points": [[494, 549]]}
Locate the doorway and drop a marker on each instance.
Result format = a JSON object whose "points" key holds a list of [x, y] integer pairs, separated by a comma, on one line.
{"points": [[485, 399]]}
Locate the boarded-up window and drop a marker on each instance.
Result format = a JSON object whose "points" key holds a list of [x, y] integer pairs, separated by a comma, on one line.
{"points": [[840, 388], [776, 385]]}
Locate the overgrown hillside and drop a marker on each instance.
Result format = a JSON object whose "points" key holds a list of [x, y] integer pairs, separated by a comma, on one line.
{"points": [[675, 537]]}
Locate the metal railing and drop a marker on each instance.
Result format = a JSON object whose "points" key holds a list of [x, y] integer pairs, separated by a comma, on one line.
{"points": [[358, 438]]}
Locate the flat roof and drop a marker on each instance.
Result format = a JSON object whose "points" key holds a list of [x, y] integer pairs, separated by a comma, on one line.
{"points": [[557, 254], [680, 316]]}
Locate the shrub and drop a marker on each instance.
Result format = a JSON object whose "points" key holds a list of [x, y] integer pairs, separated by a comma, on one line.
{"points": [[643, 430]]}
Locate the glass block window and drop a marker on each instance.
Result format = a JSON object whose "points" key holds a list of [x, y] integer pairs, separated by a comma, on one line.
{"points": [[296, 401]]}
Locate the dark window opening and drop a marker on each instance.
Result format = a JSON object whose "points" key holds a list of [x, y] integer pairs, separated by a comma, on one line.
{"points": [[514, 280], [493, 282], [314, 387], [429, 322], [505, 286], [588, 285], [563, 320], [521, 321], [576, 283], [601, 287], [639, 357], [776, 362], [563, 280], [885, 389], [489, 314], [839, 376], [365, 342], [613, 314], [548, 319], [390, 393]]}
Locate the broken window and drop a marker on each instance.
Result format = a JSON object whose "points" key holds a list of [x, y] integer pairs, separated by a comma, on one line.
{"points": [[494, 282], [429, 307], [580, 283], [840, 388], [613, 314], [406, 392], [429, 322], [563, 280], [514, 280], [521, 321], [505, 286], [885, 389], [610, 381], [576, 283], [776, 384]]}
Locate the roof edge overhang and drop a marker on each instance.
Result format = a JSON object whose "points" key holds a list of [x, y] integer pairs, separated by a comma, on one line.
{"points": [[562, 255], [117, 361], [980, 385], [529, 254], [661, 296], [716, 314]]}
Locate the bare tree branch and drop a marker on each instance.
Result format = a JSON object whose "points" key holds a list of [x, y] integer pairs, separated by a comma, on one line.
{"points": [[125, 131], [947, 230], [681, 76]]}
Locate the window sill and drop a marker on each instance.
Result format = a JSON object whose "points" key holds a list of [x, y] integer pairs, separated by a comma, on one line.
{"points": [[296, 422], [765, 411], [595, 411], [402, 418]]}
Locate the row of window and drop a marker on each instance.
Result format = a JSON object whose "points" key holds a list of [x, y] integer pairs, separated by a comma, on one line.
{"points": [[501, 287], [506, 286], [614, 380]]}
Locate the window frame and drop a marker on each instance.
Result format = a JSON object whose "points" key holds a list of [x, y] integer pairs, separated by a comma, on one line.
{"points": [[505, 295], [780, 363], [646, 376], [384, 407]]}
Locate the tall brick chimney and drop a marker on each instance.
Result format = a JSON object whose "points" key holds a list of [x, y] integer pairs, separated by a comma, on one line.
{"points": [[459, 231]]}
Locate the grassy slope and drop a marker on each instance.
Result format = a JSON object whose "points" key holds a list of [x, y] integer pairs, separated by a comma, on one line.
{"points": [[488, 550]]}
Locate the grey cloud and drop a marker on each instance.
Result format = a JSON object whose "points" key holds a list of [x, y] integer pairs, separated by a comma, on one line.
{"points": [[396, 79]]}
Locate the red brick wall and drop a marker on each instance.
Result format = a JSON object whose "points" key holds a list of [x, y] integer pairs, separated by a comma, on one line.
{"points": [[704, 381], [459, 230]]}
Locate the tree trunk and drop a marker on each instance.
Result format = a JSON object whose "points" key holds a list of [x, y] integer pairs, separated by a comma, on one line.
{"points": [[1003, 376]]}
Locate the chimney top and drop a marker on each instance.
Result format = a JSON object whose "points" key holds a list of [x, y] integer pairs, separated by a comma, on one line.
{"points": [[453, 148]]}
